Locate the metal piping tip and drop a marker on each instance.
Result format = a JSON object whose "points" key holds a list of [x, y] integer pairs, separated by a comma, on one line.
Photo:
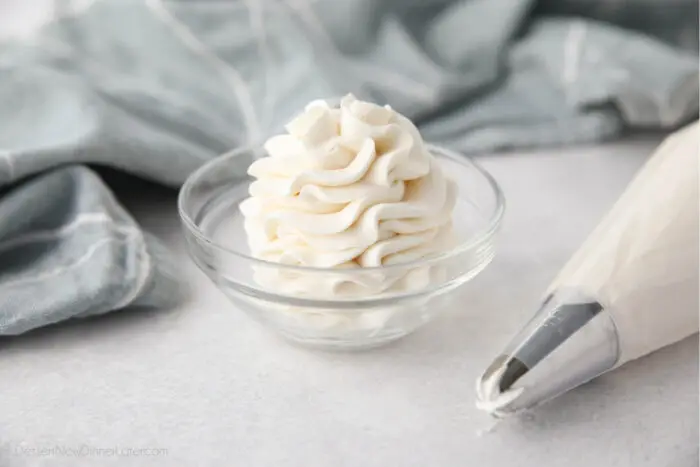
{"points": [[568, 342], [513, 371]]}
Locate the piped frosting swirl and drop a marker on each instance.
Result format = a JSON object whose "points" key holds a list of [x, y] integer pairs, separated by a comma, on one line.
{"points": [[348, 187]]}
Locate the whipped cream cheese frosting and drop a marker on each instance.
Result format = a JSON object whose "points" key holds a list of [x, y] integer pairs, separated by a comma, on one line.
{"points": [[348, 188], [490, 398]]}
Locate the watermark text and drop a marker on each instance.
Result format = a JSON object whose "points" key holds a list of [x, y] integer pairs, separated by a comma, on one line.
{"points": [[84, 451]]}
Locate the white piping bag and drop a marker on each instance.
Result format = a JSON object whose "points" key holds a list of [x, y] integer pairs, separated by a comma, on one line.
{"points": [[630, 289]]}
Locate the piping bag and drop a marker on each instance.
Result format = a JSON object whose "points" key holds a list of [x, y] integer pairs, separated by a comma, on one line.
{"points": [[630, 289]]}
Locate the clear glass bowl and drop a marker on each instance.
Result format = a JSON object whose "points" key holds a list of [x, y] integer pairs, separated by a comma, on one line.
{"points": [[213, 226]]}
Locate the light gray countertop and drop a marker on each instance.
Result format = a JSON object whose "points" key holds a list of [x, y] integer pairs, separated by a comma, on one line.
{"points": [[211, 387]]}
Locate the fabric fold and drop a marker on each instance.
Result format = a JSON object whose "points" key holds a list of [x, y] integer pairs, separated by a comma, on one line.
{"points": [[68, 249]]}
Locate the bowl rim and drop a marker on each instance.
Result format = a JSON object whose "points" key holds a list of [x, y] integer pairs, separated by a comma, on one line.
{"points": [[478, 237]]}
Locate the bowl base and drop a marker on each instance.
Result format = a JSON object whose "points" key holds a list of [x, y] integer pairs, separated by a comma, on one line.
{"points": [[340, 345]]}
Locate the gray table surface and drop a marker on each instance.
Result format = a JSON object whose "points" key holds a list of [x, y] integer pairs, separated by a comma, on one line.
{"points": [[202, 385]]}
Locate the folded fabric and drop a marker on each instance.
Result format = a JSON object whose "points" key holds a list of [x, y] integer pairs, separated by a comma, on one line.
{"points": [[71, 250], [155, 88]]}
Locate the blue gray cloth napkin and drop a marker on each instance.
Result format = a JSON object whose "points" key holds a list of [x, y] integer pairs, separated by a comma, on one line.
{"points": [[155, 88]]}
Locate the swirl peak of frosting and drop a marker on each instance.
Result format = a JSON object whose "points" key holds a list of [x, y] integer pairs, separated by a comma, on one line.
{"points": [[348, 187]]}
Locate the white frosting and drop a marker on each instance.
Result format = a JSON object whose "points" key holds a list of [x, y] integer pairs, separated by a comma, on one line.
{"points": [[490, 398], [347, 188]]}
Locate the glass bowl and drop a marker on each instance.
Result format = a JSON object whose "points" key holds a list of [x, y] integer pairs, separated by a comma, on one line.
{"points": [[370, 316]]}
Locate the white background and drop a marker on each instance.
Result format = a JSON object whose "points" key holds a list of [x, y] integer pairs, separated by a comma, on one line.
{"points": [[214, 389]]}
